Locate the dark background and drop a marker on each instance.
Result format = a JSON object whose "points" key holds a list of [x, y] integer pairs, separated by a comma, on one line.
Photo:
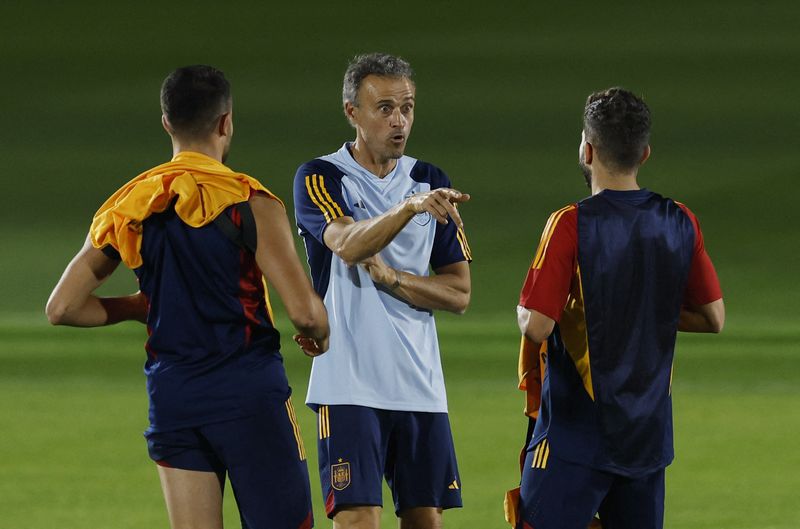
{"points": [[500, 93]]}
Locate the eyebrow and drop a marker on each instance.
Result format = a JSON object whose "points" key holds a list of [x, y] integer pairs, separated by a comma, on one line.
{"points": [[392, 101]]}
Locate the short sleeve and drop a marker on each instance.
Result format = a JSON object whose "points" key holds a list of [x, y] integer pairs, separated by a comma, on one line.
{"points": [[547, 284], [702, 284], [111, 252], [450, 243], [318, 197]]}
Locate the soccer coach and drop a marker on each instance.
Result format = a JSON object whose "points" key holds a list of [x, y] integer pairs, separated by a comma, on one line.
{"points": [[375, 221]]}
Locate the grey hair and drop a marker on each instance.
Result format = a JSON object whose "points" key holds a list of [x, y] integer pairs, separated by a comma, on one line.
{"points": [[381, 64]]}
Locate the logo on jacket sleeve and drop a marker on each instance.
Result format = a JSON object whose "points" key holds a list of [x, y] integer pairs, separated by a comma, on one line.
{"points": [[340, 475]]}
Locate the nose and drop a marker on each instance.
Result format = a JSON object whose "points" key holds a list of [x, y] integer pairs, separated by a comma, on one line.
{"points": [[397, 119]]}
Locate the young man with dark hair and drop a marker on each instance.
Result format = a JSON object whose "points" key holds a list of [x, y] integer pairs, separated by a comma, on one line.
{"points": [[199, 236], [614, 278], [374, 222]]}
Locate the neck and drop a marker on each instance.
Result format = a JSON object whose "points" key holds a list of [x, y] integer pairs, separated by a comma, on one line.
{"points": [[602, 179], [370, 161], [207, 148]]}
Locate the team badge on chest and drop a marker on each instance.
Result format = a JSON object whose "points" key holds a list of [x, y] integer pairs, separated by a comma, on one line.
{"points": [[340, 475]]}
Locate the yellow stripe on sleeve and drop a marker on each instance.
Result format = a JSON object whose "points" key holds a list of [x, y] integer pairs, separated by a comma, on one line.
{"points": [[328, 196], [462, 240], [315, 184], [536, 455], [315, 200], [549, 229]]}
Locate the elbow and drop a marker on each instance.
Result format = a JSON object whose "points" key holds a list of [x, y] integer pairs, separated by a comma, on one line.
{"points": [[716, 319], [537, 335], [351, 255], [461, 303], [55, 312]]}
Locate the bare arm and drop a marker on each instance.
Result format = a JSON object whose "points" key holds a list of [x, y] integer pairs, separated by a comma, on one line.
{"points": [[73, 303], [705, 318], [277, 258], [448, 290], [355, 241], [534, 325]]}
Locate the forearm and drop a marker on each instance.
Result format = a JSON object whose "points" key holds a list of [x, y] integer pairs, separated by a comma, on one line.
{"points": [[534, 325], [704, 318], [95, 311], [436, 292], [73, 302], [312, 321], [354, 241]]}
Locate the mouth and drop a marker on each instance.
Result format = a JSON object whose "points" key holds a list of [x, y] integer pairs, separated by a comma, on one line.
{"points": [[397, 138]]}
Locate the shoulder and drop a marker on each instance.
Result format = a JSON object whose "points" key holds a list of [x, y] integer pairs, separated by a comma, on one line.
{"points": [[429, 174], [565, 216], [683, 207], [318, 167]]}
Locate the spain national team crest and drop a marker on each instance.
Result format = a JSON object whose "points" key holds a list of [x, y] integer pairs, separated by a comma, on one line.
{"points": [[340, 475]]}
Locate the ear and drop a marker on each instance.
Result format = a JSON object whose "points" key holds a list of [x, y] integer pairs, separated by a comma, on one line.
{"points": [[588, 153], [349, 112], [645, 155], [225, 124], [165, 124]]}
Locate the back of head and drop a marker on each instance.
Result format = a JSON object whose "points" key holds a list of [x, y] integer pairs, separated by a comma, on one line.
{"points": [[193, 98], [381, 64], [617, 124]]}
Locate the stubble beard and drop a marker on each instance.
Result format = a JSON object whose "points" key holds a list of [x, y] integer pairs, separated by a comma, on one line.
{"points": [[587, 172]]}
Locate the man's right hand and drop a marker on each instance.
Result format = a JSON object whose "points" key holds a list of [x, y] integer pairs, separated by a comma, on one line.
{"points": [[310, 346], [440, 203]]}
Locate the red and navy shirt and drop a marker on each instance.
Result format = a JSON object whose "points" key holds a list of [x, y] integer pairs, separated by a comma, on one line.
{"points": [[212, 351], [613, 271]]}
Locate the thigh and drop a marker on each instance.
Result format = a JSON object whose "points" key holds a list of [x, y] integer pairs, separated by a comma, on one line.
{"points": [[556, 494], [266, 463], [185, 449], [352, 451], [635, 503], [193, 498], [421, 467]]}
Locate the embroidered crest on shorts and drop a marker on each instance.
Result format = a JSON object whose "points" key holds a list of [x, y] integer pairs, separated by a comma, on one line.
{"points": [[340, 475]]}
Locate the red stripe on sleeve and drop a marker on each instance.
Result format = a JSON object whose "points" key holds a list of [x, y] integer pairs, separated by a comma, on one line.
{"points": [[547, 286], [702, 285]]}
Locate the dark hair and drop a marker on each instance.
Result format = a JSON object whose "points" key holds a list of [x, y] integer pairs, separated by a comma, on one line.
{"points": [[372, 64], [193, 98], [617, 124]]}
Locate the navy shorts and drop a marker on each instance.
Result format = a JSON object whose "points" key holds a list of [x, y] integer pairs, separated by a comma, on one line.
{"points": [[359, 446], [263, 456], [557, 494]]}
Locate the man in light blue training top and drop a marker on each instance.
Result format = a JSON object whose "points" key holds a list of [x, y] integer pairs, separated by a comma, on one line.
{"points": [[374, 222]]}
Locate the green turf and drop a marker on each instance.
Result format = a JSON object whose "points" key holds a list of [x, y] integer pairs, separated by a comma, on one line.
{"points": [[74, 405], [500, 93]]}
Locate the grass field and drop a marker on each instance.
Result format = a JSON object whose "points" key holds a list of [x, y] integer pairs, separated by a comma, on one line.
{"points": [[500, 93], [74, 407]]}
